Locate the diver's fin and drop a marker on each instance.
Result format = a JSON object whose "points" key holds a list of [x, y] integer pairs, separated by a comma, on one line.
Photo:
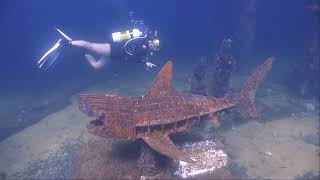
{"points": [[246, 100], [50, 56], [162, 84], [163, 144], [64, 35]]}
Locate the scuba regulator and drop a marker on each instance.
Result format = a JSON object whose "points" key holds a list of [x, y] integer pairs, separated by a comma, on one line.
{"points": [[138, 44]]}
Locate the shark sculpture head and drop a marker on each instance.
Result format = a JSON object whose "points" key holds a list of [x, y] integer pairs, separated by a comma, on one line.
{"points": [[109, 120]]}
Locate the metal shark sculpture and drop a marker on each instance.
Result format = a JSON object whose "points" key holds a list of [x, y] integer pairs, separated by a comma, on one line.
{"points": [[163, 111]]}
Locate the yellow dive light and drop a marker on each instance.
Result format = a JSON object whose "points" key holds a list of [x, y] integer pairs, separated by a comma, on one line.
{"points": [[126, 35]]}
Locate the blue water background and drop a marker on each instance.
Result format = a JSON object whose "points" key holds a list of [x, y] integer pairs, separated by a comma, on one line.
{"points": [[188, 29]]}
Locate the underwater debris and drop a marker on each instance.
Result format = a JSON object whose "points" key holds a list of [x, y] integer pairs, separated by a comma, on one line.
{"points": [[223, 68], [163, 111], [207, 159], [268, 153], [197, 77]]}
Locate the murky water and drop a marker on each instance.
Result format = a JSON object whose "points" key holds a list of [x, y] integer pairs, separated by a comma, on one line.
{"points": [[43, 134]]}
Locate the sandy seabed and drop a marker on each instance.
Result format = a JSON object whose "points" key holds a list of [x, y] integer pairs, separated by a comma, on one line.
{"points": [[279, 147]]}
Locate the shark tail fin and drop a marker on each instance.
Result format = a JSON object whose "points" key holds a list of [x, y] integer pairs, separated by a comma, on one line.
{"points": [[246, 101]]}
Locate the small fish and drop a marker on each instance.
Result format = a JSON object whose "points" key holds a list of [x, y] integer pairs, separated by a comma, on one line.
{"points": [[268, 153]]}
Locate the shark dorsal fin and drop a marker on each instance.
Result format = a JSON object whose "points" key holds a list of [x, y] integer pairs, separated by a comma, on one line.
{"points": [[162, 84]]}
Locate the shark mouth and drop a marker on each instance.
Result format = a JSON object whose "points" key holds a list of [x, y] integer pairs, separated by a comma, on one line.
{"points": [[98, 121]]}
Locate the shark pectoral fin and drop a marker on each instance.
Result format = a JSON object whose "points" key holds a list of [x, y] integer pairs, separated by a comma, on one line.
{"points": [[163, 144]]}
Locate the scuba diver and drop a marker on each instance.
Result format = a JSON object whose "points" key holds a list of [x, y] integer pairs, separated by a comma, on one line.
{"points": [[131, 45], [128, 45]]}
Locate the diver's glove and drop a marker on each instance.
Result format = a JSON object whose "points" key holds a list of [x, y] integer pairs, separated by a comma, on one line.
{"points": [[150, 65]]}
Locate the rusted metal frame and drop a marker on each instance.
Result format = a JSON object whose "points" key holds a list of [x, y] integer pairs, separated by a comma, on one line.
{"points": [[174, 112], [147, 110], [162, 128], [133, 119], [176, 123], [118, 103], [195, 107], [183, 122]]}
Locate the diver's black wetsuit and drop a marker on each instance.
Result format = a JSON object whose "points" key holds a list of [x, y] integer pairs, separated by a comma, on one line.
{"points": [[139, 50]]}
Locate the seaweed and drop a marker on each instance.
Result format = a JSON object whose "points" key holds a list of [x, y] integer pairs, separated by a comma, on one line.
{"points": [[223, 67], [197, 77]]}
